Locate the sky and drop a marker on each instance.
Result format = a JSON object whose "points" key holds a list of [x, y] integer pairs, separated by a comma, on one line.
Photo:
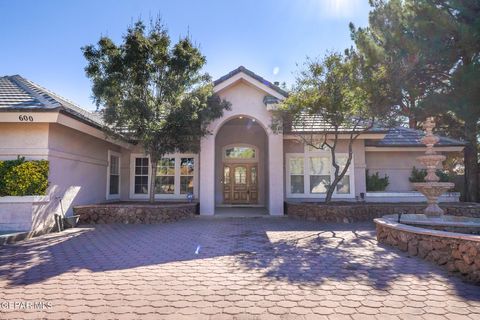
{"points": [[42, 40]]}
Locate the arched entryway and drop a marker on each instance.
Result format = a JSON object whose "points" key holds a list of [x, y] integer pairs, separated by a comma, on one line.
{"points": [[241, 164]]}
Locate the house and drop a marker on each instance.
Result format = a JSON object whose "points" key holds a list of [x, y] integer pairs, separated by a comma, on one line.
{"points": [[243, 162]]}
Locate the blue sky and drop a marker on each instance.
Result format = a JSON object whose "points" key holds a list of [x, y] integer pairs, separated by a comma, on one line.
{"points": [[41, 40]]}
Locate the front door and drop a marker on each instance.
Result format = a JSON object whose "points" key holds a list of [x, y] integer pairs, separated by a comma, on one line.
{"points": [[240, 183]]}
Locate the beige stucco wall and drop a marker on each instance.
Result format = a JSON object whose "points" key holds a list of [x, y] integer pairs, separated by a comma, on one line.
{"points": [[26, 139], [396, 164], [78, 164], [241, 132]]}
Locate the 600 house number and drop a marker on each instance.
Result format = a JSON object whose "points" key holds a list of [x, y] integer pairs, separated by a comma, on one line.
{"points": [[25, 118]]}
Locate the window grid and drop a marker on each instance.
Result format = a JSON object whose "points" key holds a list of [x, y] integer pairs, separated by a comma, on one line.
{"points": [[187, 171], [314, 179], [141, 175], [114, 183], [165, 179]]}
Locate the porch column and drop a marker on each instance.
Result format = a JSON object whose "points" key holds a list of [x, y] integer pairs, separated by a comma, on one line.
{"points": [[207, 175], [275, 173]]}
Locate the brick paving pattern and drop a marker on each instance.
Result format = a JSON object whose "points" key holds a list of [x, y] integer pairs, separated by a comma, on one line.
{"points": [[257, 268]]}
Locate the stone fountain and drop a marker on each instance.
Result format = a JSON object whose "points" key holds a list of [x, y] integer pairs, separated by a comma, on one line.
{"points": [[432, 188]]}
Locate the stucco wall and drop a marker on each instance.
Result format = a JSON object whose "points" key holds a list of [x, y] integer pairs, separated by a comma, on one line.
{"points": [[25, 139], [78, 167], [78, 164], [241, 132], [396, 164]]}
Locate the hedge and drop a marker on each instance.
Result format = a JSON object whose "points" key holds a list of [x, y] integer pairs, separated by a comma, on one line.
{"points": [[23, 178]]}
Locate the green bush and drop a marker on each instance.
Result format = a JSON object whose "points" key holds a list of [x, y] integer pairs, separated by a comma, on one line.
{"points": [[418, 175], [375, 183], [23, 178]]}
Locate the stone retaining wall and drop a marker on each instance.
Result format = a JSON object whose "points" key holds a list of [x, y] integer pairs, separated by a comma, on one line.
{"points": [[458, 253], [357, 212], [131, 213]]}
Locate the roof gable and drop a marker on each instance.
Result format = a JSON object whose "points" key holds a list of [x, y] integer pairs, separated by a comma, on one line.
{"points": [[18, 93], [242, 73]]}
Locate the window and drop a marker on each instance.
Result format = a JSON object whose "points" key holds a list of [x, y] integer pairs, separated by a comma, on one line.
{"points": [[319, 174], [175, 177], [343, 186], [113, 175], [253, 176], [226, 175], [296, 166], [165, 179], [240, 153], [240, 175], [310, 174], [141, 176], [187, 170]]}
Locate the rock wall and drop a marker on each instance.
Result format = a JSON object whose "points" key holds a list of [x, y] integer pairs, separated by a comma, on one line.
{"points": [[357, 212], [458, 255], [134, 213]]}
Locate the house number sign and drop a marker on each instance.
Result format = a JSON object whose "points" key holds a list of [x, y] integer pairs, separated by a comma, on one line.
{"points": [[25, 118]]}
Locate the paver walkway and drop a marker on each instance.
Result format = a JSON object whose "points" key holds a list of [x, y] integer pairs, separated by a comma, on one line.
{"points": [[257, 268]]}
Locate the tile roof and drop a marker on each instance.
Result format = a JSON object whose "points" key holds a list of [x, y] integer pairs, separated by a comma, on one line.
{"points": [[18, 93], [394, 137], [406, 137], [253, 75], [314, 123]]}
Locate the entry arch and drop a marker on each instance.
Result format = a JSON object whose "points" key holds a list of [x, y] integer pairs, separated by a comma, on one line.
{"points": [[248, 186]]}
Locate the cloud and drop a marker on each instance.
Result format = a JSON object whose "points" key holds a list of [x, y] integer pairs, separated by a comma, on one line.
{"points": [[275, 71]]}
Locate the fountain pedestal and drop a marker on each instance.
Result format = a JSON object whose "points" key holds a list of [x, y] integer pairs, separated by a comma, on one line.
{"points": [[432, 188]]}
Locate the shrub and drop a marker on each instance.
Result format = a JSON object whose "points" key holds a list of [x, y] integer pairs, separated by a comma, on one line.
{"points": [[23, 178], [418, 175], [375, 183]]}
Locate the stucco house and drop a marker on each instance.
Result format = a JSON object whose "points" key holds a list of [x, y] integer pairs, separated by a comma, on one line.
{"points": [[242, 163]]}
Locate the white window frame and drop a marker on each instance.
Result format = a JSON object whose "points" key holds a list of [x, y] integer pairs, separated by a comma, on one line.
{"points": [[119, 156], [176, 195], [306, 174]]}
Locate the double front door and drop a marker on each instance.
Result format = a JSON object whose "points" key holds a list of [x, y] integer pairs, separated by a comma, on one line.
{"points": [[240, 183]]}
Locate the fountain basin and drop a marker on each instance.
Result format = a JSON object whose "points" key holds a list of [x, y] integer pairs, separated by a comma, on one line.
{"points": [[433, 188], [459, 224], [457, 252]]}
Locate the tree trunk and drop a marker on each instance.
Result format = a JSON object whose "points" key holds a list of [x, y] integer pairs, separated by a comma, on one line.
{"points": [[471, 160], [153, 164], [328, 196], [412, 122]]}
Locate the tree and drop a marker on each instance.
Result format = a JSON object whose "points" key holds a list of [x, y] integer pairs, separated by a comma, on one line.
{"points": [[153, 92], [333, 100], [451, 32], [431, 51], [391, 42]]}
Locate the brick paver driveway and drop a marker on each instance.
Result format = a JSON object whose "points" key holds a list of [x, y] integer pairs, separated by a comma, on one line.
{"points": [[263, 268]]}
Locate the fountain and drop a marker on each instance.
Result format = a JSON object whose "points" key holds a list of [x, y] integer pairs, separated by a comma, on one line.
{"points": [[432, 188], [449, 240]]}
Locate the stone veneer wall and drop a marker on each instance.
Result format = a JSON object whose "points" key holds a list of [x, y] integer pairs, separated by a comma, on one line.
{"points": [[135, 213], [357, 212], [458, 253]]}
